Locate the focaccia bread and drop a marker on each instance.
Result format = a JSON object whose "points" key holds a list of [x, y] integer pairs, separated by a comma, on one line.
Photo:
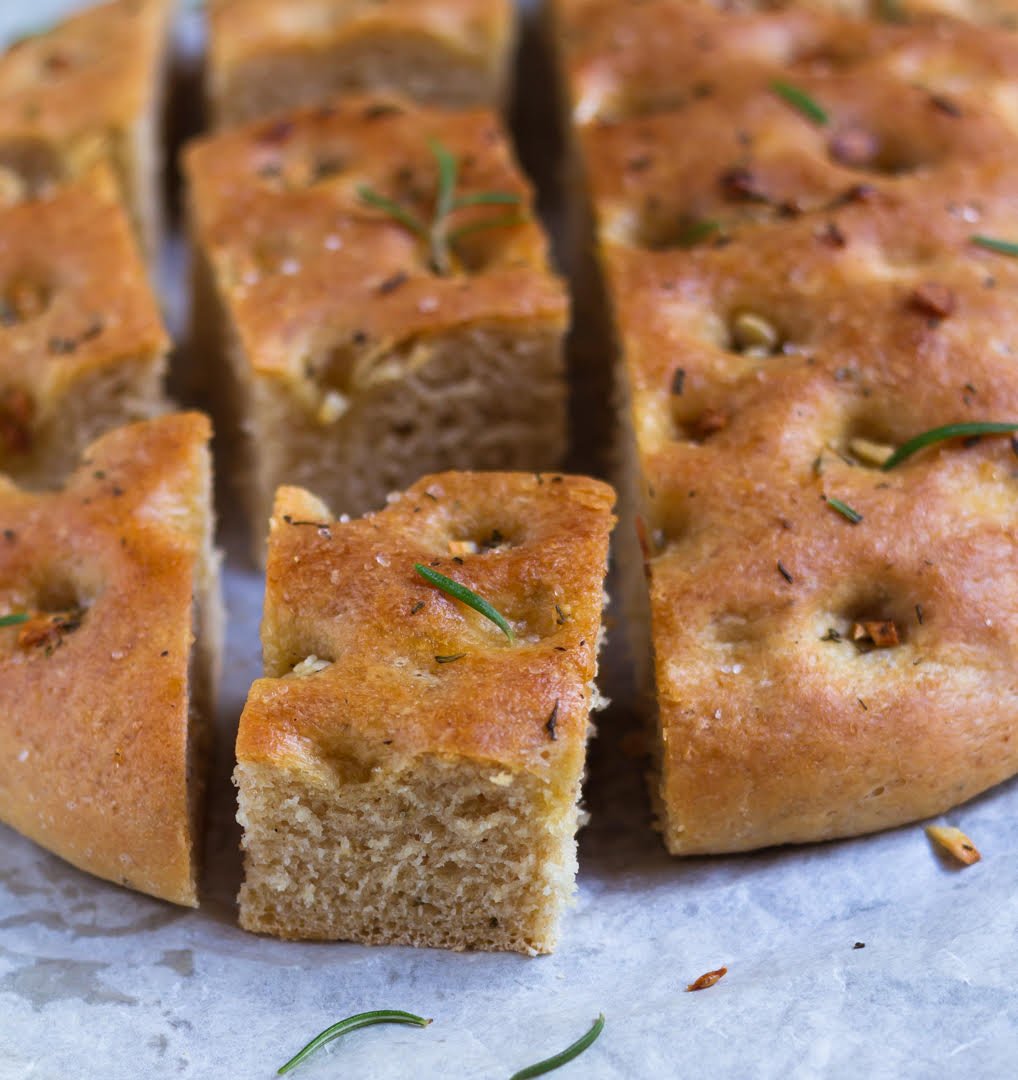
{"points": [[358, 353], [108, 649], [82, 346], [86, 90], [407, 774], [799, 222], [268, 55]]}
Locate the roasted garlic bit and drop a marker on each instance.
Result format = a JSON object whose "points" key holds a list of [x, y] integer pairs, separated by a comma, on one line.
{"points": [[954, 842], [753, 335], [708, 980], [882, 633], [869, 452], [932, 299], [47, 631], [462, 547]]}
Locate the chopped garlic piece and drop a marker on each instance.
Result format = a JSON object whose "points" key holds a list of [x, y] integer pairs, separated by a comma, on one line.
{"points": [[954, 842], [311, 665]]}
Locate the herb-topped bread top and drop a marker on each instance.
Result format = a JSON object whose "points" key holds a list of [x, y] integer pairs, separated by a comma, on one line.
{"points": [[472, 36], [70, 94], [365, 655], [98, 584], [74, 301], [341, 233], [779, 115]]}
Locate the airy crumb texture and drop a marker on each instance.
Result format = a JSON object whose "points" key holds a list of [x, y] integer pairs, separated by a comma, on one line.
{"points": [[797, 292], [408, 775], [354, 364], [106, 691], [89, 89], [82, 346], [266, 55]]}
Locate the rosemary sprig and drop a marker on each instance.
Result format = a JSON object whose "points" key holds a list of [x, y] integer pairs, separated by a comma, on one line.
{"points": [[352, 1023], [844, 509], [800, 100], [466, 596], [438, 237], [567, 1055], [991, 243], [14, 620], [948, 431]]}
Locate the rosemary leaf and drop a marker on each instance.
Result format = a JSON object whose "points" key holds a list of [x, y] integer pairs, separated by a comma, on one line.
{"points": [[352, 1023], [437, 234], [948, 431], [567, 1055], [800, 100], [844, 509], [450, 658], [696, 232], [14, 620], [465, 596], [991, 243]]}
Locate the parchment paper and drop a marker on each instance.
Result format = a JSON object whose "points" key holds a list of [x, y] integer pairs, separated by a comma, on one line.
{"points": [[97, 982]]}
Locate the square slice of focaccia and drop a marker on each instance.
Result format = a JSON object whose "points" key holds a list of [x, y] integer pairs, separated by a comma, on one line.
{"points": [[86, 90], [361, 345], [799, 222], [108, 650], [82, 345], [407, 773], [268, 55]]}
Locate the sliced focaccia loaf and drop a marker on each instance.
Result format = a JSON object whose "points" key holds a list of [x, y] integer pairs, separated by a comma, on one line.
{"points": [[372, 282], [267, 55], [805, 227], [108, 647], [82, 346], [408, 769], [86, 90]]}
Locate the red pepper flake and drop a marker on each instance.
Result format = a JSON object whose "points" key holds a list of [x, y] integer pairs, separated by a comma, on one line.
{"points": [[881, 632], [933, 299], [708, 980]]}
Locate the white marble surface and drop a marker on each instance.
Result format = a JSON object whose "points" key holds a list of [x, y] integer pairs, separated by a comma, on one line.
{"points": [[98, 982]]}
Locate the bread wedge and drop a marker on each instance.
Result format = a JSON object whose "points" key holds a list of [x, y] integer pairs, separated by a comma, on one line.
{"points": [[353, 361], [109, 639], [407, 774], [269, 55], [85, 90], [82, 345]]}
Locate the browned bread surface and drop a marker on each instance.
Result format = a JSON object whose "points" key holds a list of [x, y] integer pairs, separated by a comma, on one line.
{"points": [[82, 346], [794, 296], [87, 90], [357, 365], [267, 55], [102, 691], [401, 752]]}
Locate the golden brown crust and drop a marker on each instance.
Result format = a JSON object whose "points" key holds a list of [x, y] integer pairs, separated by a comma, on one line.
{"points": [[94, 721], [67, 94], [472, 34], [74, 306], [833, 293], [278, 215], [348, 593]]}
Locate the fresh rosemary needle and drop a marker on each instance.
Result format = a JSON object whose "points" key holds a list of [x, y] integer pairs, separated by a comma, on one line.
{"points": [[352, 1023], [844, 509], [563, 1058], [991, 243], [438, 237], [14, 620], [466, 596], [800, 100], [940, 434]]}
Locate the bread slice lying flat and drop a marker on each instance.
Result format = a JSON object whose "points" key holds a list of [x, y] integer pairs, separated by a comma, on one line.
{"points": [[408, 775], [82, 346], [86, 90], [799, 289], [109, 641], [351, 364], [266, 55]]}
